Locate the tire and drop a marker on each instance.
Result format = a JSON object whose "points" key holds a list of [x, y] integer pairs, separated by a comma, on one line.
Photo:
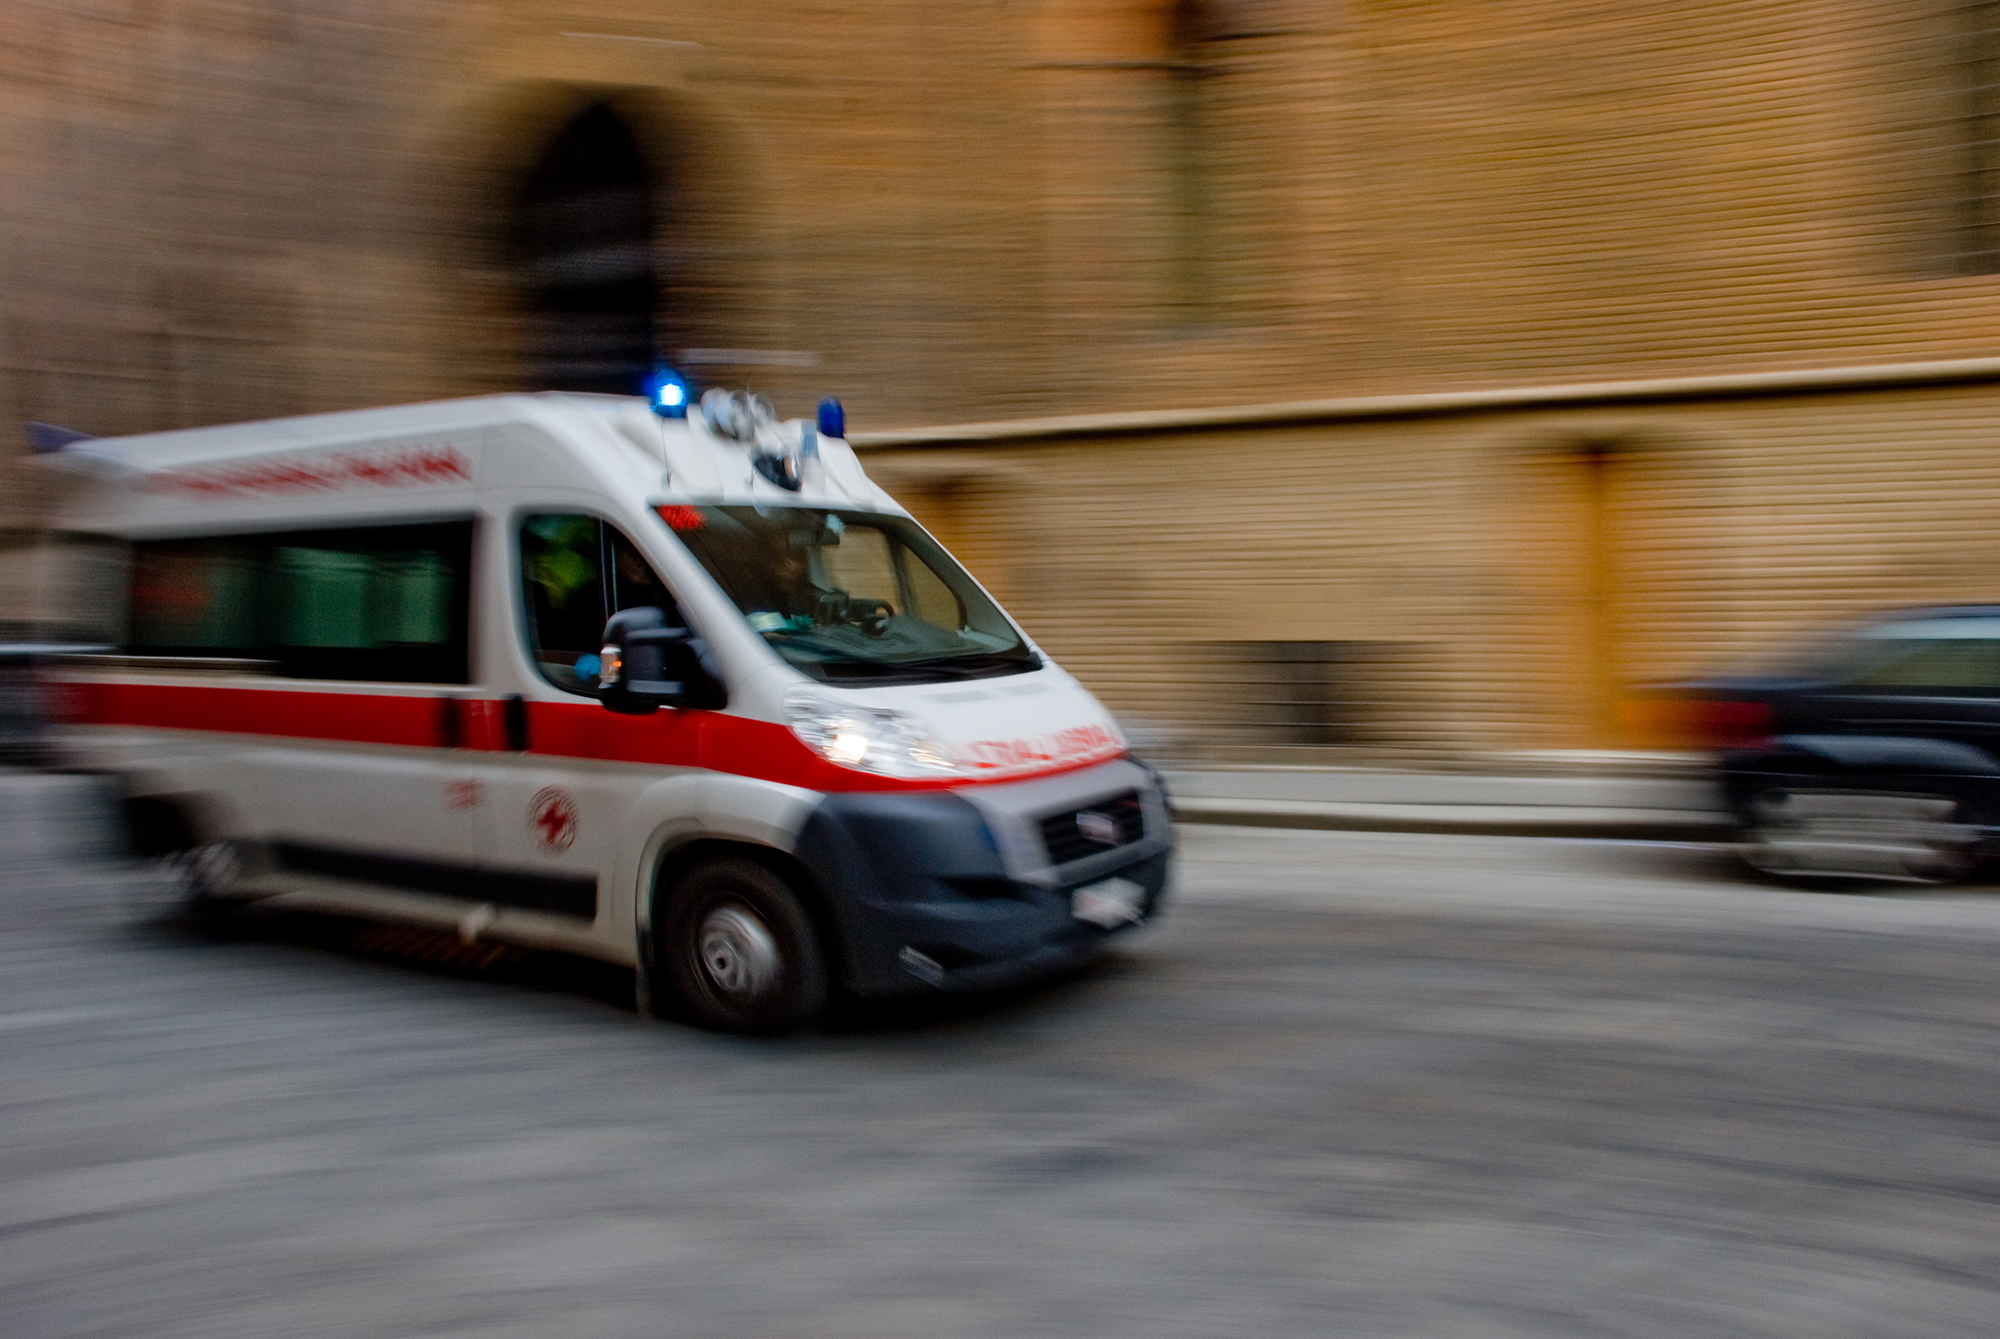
{"points": [[192, 876], [1887, 836], [199, 879], [652, 994], [739, 951]]}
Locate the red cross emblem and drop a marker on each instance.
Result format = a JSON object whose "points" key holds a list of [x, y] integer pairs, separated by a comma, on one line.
{"points": [[552, 819]]}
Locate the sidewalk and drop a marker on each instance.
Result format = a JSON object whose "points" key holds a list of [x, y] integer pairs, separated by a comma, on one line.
{"points": [[1648, 808]]}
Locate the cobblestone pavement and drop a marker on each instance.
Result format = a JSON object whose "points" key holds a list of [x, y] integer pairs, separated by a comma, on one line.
{"points": [[1355, 1084]]}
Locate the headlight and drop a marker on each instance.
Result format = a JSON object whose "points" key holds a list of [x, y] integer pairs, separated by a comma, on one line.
{"points": [[869, 739]]}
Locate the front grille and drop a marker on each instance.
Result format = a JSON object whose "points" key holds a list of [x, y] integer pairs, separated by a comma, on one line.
{"points": [[1080, 832]]}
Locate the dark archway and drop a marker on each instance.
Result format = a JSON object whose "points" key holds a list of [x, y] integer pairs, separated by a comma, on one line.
{"points": [[582, 244]]}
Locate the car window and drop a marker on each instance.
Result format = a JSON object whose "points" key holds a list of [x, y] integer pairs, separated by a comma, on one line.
{"points": [[576, 572], [1954, 664], [860, 565], [846, 595], [368, 603]]}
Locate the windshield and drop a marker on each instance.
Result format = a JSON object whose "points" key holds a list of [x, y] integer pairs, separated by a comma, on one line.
{"points": [[852, 595]]}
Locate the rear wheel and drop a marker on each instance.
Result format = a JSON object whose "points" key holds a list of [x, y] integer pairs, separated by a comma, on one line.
{"points": [[201, 873], [740, 951], [194, 874]]}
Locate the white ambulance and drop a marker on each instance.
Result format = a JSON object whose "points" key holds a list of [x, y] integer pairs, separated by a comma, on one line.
{"points": [[672, 686]]}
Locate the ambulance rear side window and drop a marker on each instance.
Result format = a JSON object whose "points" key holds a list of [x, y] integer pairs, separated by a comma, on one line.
{"points": [[376, 603]]}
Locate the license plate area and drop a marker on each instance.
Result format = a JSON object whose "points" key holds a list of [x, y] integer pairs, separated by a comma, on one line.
{"points": [[1108, 903]]}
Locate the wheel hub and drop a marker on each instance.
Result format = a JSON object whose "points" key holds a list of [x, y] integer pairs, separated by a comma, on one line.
{"points": [[204, 870], [739, 954]]}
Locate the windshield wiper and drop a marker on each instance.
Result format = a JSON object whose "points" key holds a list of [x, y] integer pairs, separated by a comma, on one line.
{"points": [[961, 667]]}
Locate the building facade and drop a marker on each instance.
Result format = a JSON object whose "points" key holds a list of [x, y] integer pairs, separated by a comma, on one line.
{"points": [[1254, 327]]}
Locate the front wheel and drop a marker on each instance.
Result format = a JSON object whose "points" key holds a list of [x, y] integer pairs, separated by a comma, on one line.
{"points": [[740, 951]]}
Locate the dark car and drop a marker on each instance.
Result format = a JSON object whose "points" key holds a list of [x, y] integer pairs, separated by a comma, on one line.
{"points": [[1876, 756]]}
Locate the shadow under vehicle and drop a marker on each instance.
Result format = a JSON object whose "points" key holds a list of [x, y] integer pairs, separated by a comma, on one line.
{"points": [[1874, 756]]}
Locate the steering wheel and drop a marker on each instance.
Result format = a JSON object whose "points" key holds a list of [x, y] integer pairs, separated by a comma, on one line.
{"points": [[871, 616]]}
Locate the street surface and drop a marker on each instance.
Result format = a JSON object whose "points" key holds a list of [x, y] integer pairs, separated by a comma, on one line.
{"points": [[1354, 1084]]}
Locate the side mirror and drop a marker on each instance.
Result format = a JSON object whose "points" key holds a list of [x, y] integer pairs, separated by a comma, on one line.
{"points": [[646, 665]]}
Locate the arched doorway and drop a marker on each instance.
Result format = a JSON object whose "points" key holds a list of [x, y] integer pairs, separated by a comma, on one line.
{"points": [[582, 248]]}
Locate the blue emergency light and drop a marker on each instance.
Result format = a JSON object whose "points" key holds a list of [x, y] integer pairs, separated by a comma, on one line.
{"points": [[667, 393], [832, 418]]}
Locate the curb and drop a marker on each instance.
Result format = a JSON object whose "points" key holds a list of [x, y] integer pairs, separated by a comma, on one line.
{"points": [[1468, 820]]}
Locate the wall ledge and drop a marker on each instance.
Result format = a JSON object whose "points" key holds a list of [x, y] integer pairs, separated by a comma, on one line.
{"points": [[1741, 385]]}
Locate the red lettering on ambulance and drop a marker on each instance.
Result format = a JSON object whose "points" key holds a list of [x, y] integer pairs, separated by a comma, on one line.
{"points": [[1073, 746], [403, 467]]}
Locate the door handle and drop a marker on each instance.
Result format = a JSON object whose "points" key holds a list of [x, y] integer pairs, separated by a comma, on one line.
{"points": [[450, 723], [489, 725]]}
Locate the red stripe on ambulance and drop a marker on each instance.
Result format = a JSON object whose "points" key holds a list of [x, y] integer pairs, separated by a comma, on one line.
{"points": [[355, 718], [761, 750]]}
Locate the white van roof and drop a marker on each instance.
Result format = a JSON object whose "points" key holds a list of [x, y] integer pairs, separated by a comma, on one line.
{"points": [[410, 461]]}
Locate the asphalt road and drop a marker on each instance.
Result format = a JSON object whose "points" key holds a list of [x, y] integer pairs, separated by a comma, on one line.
{"points": [[1353, 1085]]}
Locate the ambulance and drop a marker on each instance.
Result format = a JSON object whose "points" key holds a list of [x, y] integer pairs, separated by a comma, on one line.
{"points": [[671, 685]]}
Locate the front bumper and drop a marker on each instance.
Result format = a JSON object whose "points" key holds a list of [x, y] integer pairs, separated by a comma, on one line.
{"points": [[958, 890]]}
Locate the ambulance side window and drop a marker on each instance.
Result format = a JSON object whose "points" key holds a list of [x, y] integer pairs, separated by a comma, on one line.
{"points": [[576, 572], [371, 603]]}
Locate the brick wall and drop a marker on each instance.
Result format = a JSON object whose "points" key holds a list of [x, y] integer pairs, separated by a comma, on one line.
{"points": [[983, 210], [1486, 580], [218, 210]]}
